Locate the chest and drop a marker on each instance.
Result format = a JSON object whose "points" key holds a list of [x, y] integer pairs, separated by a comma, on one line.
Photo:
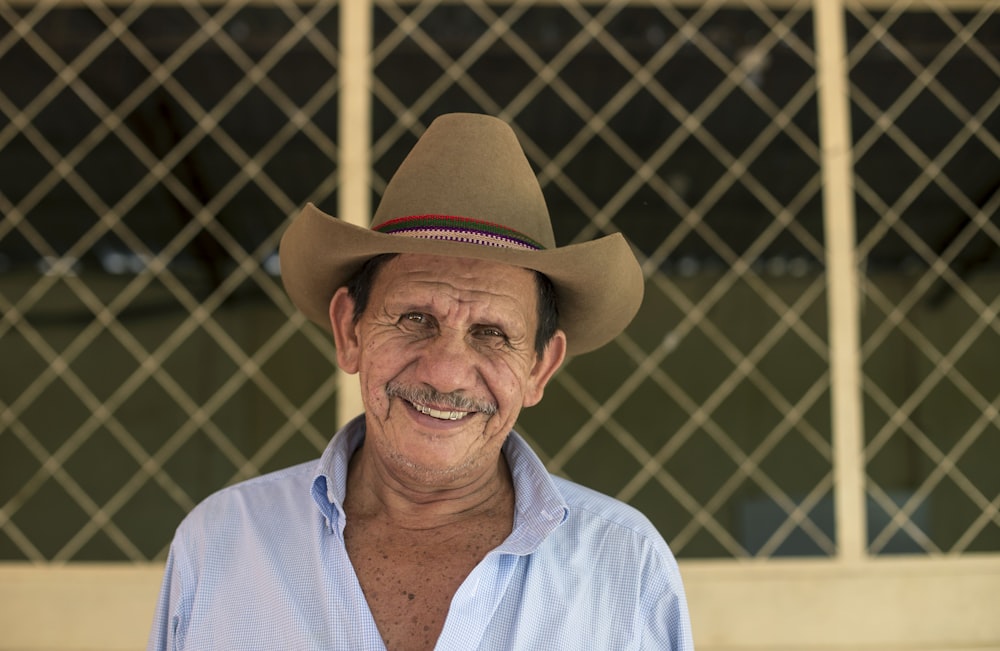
{"points": [[409, 580]]}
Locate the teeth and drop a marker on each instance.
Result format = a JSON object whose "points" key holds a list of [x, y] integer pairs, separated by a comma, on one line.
{"points": [[443, 415]]}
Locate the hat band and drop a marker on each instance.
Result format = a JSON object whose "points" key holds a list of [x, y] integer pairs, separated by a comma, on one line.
{"points": [[458, 229]]}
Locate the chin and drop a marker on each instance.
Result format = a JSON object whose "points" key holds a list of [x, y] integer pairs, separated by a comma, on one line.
{"points": [[432, 469]]}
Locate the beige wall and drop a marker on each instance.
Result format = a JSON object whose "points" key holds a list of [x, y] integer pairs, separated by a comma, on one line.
{"points": [[926, 604]]}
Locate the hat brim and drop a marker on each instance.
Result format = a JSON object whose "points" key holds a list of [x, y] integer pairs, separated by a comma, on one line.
{"points": [[599, 284]]}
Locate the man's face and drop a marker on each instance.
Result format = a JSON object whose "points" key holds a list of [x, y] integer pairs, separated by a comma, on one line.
{"points": [[445, 352]]}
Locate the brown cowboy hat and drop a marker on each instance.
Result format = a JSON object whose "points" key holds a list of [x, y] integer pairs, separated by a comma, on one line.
{"points": [[467, 190]]}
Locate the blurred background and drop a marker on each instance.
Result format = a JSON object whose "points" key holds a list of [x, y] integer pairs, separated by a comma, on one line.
{"points": [[765, 158]]}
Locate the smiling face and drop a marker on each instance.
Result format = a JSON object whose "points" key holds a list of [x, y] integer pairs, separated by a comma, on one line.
{"points": [[446, 359]]}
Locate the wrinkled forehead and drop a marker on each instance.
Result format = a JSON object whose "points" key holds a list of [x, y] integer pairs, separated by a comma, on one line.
{"points": [[448, 282]]}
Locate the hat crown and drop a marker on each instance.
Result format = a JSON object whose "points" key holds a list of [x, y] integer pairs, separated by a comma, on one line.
{"points": [[467, 190], [472, 167]]}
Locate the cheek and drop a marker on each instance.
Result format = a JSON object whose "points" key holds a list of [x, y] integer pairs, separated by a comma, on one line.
{"points": [[508, 383], [380, 349], [378, 366]]}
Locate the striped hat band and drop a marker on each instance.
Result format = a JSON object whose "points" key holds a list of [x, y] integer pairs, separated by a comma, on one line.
{"points": [[458, 229]]}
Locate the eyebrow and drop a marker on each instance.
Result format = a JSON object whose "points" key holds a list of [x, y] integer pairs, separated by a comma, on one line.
{"points": [[397, 300]]}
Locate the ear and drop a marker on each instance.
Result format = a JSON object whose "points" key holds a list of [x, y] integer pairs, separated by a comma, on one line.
{"points": [[545, 367], [345, 336]]}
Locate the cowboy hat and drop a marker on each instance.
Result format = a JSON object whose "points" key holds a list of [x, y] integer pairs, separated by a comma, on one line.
{"points": [[467, 190]]}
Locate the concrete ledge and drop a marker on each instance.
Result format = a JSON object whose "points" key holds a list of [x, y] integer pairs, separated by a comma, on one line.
{"points": [[889, 604], [892, 604], [77, 607]]}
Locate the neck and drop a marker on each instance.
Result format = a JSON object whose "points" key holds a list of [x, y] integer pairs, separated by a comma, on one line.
{"points": [[375, 492]]}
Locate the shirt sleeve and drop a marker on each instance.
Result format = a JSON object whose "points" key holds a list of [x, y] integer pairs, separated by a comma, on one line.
{"points": [[667, 625], [163, 635]]}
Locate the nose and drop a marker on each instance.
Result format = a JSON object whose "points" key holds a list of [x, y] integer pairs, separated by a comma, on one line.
{"points": [[447, 362]]}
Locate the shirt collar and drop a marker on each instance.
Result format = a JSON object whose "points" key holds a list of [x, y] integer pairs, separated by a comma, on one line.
{"points": [[330, 484], [539, 506]]}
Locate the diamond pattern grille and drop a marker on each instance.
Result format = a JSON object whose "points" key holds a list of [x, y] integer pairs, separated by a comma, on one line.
{"points": [[154, 320], [155, 150], [932, 394], [604, 70]]}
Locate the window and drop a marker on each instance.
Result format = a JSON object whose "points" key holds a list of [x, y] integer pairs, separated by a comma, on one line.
{"points": [[152, 153]]}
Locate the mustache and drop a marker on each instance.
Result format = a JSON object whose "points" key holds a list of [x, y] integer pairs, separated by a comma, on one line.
{"points": [[426, 395]]}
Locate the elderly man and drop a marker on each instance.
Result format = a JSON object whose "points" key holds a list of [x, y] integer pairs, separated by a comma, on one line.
{"points": [[428, 523]]}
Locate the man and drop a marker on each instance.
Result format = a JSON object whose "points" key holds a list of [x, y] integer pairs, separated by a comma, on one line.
{"points": [[428, 523]]}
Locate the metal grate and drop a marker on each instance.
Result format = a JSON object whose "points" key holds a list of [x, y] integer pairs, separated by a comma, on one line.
{"points": [[931, 329], [153, 151], [155, 147], [668, 124]]}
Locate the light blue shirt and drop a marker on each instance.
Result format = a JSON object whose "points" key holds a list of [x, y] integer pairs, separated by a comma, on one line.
{"points": [[262, 565]]}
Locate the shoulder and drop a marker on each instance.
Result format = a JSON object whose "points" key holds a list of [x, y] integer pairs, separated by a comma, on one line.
{"points": [[608, 557], [614, 539], [268, 499], [596, 507], [589, 518]]}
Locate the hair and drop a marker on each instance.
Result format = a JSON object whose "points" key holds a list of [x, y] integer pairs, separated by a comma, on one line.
{"points": [[360, 283]]}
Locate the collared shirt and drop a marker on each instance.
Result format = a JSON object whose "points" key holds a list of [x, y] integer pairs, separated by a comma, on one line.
{"points": [[262, 565]]}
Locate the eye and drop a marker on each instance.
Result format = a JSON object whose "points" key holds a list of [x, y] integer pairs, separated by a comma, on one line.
{"points": [[414, 317], [490, 332]]}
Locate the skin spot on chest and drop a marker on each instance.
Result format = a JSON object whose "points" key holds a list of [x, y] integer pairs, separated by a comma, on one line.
{"points": [[409, 582]]}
